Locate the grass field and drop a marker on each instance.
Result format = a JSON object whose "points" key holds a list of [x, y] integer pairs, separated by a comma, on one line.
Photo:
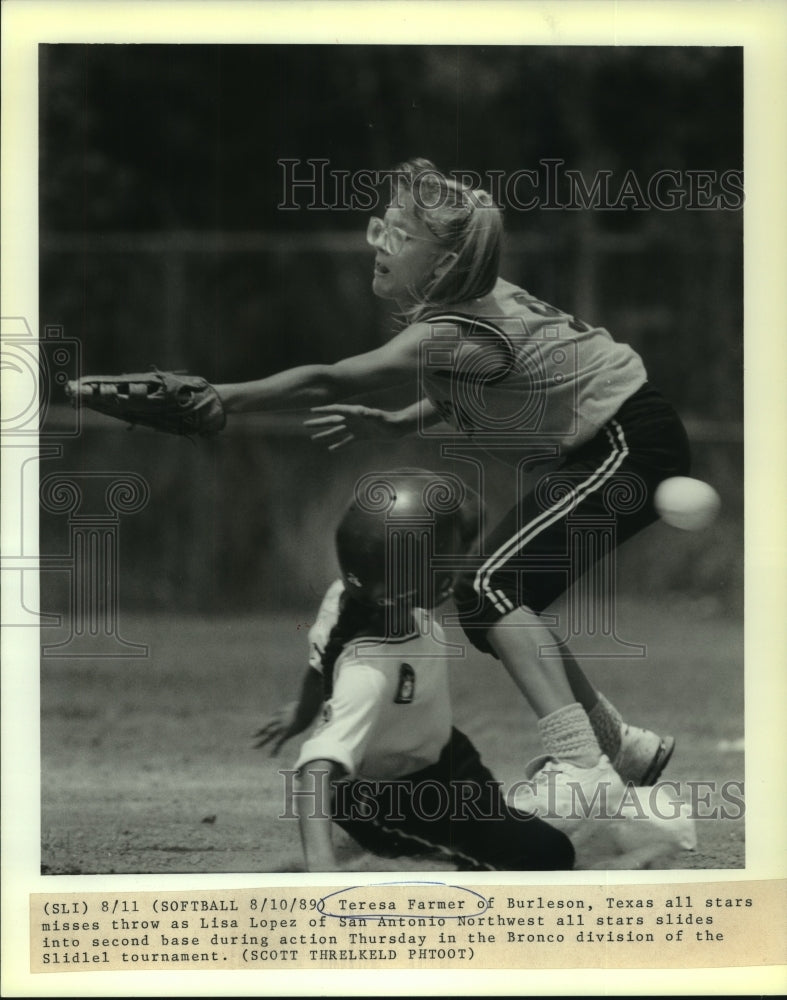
{"points": [[148, 765]]}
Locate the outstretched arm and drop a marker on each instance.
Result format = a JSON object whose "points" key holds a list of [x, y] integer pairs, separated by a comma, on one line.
{"points": [[316, 385], [295, 716], [313, 805], [341, 423]]}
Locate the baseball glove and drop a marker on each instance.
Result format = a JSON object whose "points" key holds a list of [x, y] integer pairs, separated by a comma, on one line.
{"points": [[168, 401]]}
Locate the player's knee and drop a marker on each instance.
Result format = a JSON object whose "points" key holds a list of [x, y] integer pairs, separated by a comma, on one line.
{"points": [[514, 626], [522, 612]]}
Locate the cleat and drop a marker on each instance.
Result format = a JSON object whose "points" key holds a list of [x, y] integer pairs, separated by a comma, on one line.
{"points": [[643, 755], [566, 795]]}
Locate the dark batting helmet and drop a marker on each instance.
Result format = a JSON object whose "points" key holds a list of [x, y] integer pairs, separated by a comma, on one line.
{"points": [[399, 538]]}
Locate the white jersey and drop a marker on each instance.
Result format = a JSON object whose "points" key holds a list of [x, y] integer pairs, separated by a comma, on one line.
{"points": [[324, 622], [389, 714], [556, 380]]}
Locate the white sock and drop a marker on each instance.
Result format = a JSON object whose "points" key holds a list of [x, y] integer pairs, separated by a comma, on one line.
{"points": [[568, 735], [607, 723]]}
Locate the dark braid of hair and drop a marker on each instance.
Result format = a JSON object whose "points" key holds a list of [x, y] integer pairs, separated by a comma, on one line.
{"points": [[356, 620]]}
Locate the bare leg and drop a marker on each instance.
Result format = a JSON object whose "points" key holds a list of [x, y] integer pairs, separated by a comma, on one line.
{"points": [[565, 727], [516, 639], [605, 719], [582, 689]]}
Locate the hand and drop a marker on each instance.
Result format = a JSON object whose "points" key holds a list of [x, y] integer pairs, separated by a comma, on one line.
{"points": [[346, 422], [282, 725]]}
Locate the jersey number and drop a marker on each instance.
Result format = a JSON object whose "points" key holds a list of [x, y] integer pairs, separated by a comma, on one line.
{"points": [[544, 309]]}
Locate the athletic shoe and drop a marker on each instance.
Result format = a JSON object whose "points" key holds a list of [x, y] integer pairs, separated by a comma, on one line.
{"points": [[564, 794], [643, 755]]}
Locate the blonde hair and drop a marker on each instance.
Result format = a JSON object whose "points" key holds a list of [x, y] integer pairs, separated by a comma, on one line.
{"points": [[466, 222]]}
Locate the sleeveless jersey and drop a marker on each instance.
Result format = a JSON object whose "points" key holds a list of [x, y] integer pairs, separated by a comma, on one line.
{"points": [[509, 369], [390, 713]]}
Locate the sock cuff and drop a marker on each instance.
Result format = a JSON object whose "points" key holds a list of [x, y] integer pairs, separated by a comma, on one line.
{"points": [[568, 733], [604, 709], [607, 723]]}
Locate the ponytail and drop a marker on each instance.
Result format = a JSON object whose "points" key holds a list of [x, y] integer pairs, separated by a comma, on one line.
{"points": [[467, 223]]}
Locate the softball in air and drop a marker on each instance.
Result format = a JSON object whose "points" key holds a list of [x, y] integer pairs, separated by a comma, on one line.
{"points": [[689, 504]]}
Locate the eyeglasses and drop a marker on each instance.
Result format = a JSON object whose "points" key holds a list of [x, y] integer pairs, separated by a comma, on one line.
{"points": [[389, 238]]}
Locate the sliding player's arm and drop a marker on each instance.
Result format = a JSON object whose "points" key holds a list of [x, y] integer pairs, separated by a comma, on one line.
{"points": [[313, 804], [295, 716]]}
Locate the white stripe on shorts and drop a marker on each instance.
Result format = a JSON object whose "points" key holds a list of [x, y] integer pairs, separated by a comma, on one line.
{"points": [[451, 853], [596, 479]]}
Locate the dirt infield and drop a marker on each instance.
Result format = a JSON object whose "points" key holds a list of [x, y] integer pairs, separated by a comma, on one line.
{"points": [[148, 765]]}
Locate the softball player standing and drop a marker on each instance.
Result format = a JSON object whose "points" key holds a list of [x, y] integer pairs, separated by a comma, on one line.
{"points": [[517, 376]]}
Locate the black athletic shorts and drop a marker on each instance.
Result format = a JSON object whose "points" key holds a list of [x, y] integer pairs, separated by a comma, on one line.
{"points": [[527, 560], [454, 808]]}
